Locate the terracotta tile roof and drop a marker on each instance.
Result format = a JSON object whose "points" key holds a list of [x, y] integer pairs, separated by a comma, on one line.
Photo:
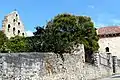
{"points": [[109, 30]]}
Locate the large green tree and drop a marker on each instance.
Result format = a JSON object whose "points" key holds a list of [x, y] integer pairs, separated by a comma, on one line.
{"points": [[65, 31]]}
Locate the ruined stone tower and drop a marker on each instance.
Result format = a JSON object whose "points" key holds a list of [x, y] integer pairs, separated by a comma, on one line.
{"points": [[12, 25]]}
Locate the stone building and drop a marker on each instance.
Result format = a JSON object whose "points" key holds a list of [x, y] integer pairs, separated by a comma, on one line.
{"points": [[12, 25], [109, 40]]}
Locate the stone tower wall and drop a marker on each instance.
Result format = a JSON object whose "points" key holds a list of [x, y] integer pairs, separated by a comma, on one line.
{"points": [[12, 25]]}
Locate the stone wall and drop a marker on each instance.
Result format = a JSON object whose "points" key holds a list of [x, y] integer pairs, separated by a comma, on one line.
{"points": [[117, 65], [49, 66], [101, 68], [118, 68]]}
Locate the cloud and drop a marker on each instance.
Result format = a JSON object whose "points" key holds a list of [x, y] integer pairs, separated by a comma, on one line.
{"points": [[29, 33], [91, 6]]}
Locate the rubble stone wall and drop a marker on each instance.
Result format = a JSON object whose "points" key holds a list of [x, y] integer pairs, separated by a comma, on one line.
{"points": [[49, 66]]}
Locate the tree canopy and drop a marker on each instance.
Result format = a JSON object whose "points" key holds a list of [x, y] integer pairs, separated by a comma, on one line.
{"points": [[16, 44], [66, 30]]}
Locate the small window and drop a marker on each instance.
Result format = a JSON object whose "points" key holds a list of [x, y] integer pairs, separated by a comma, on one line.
{"points": [[8, 27], [23, 34], [18, 32], [107, 49], [14, 30], [13, 20], [18, 23], [16, 15]]}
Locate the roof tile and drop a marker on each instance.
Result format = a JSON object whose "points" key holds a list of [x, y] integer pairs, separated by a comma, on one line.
{"points": [[109, 30]]}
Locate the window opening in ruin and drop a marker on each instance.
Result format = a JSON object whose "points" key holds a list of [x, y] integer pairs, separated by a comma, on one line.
{"points": [[18, 23], [14, 31], [8, 27], [16, 15], [107, 49], [18, 32], [23, 34], [13, 20]]}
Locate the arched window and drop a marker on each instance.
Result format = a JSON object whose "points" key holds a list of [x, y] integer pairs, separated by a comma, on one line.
{"points": [[23, 34], [18, 32], [14, 30], [107, 49], [16, 15], [13, 20], [8, 27], [18, 23]]}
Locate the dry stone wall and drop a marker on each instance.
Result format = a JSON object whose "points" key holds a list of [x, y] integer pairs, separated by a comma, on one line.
{"points": [[49, 66]]}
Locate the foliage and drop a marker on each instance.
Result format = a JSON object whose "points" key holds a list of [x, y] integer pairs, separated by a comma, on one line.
{"points": [[16, 44], [66, 30], [60, 35], [3, 40], [33, 44], [22, 44], [39, 31]]}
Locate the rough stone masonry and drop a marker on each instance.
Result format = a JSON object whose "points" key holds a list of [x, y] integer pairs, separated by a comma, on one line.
{"points": [[49, 66]]}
